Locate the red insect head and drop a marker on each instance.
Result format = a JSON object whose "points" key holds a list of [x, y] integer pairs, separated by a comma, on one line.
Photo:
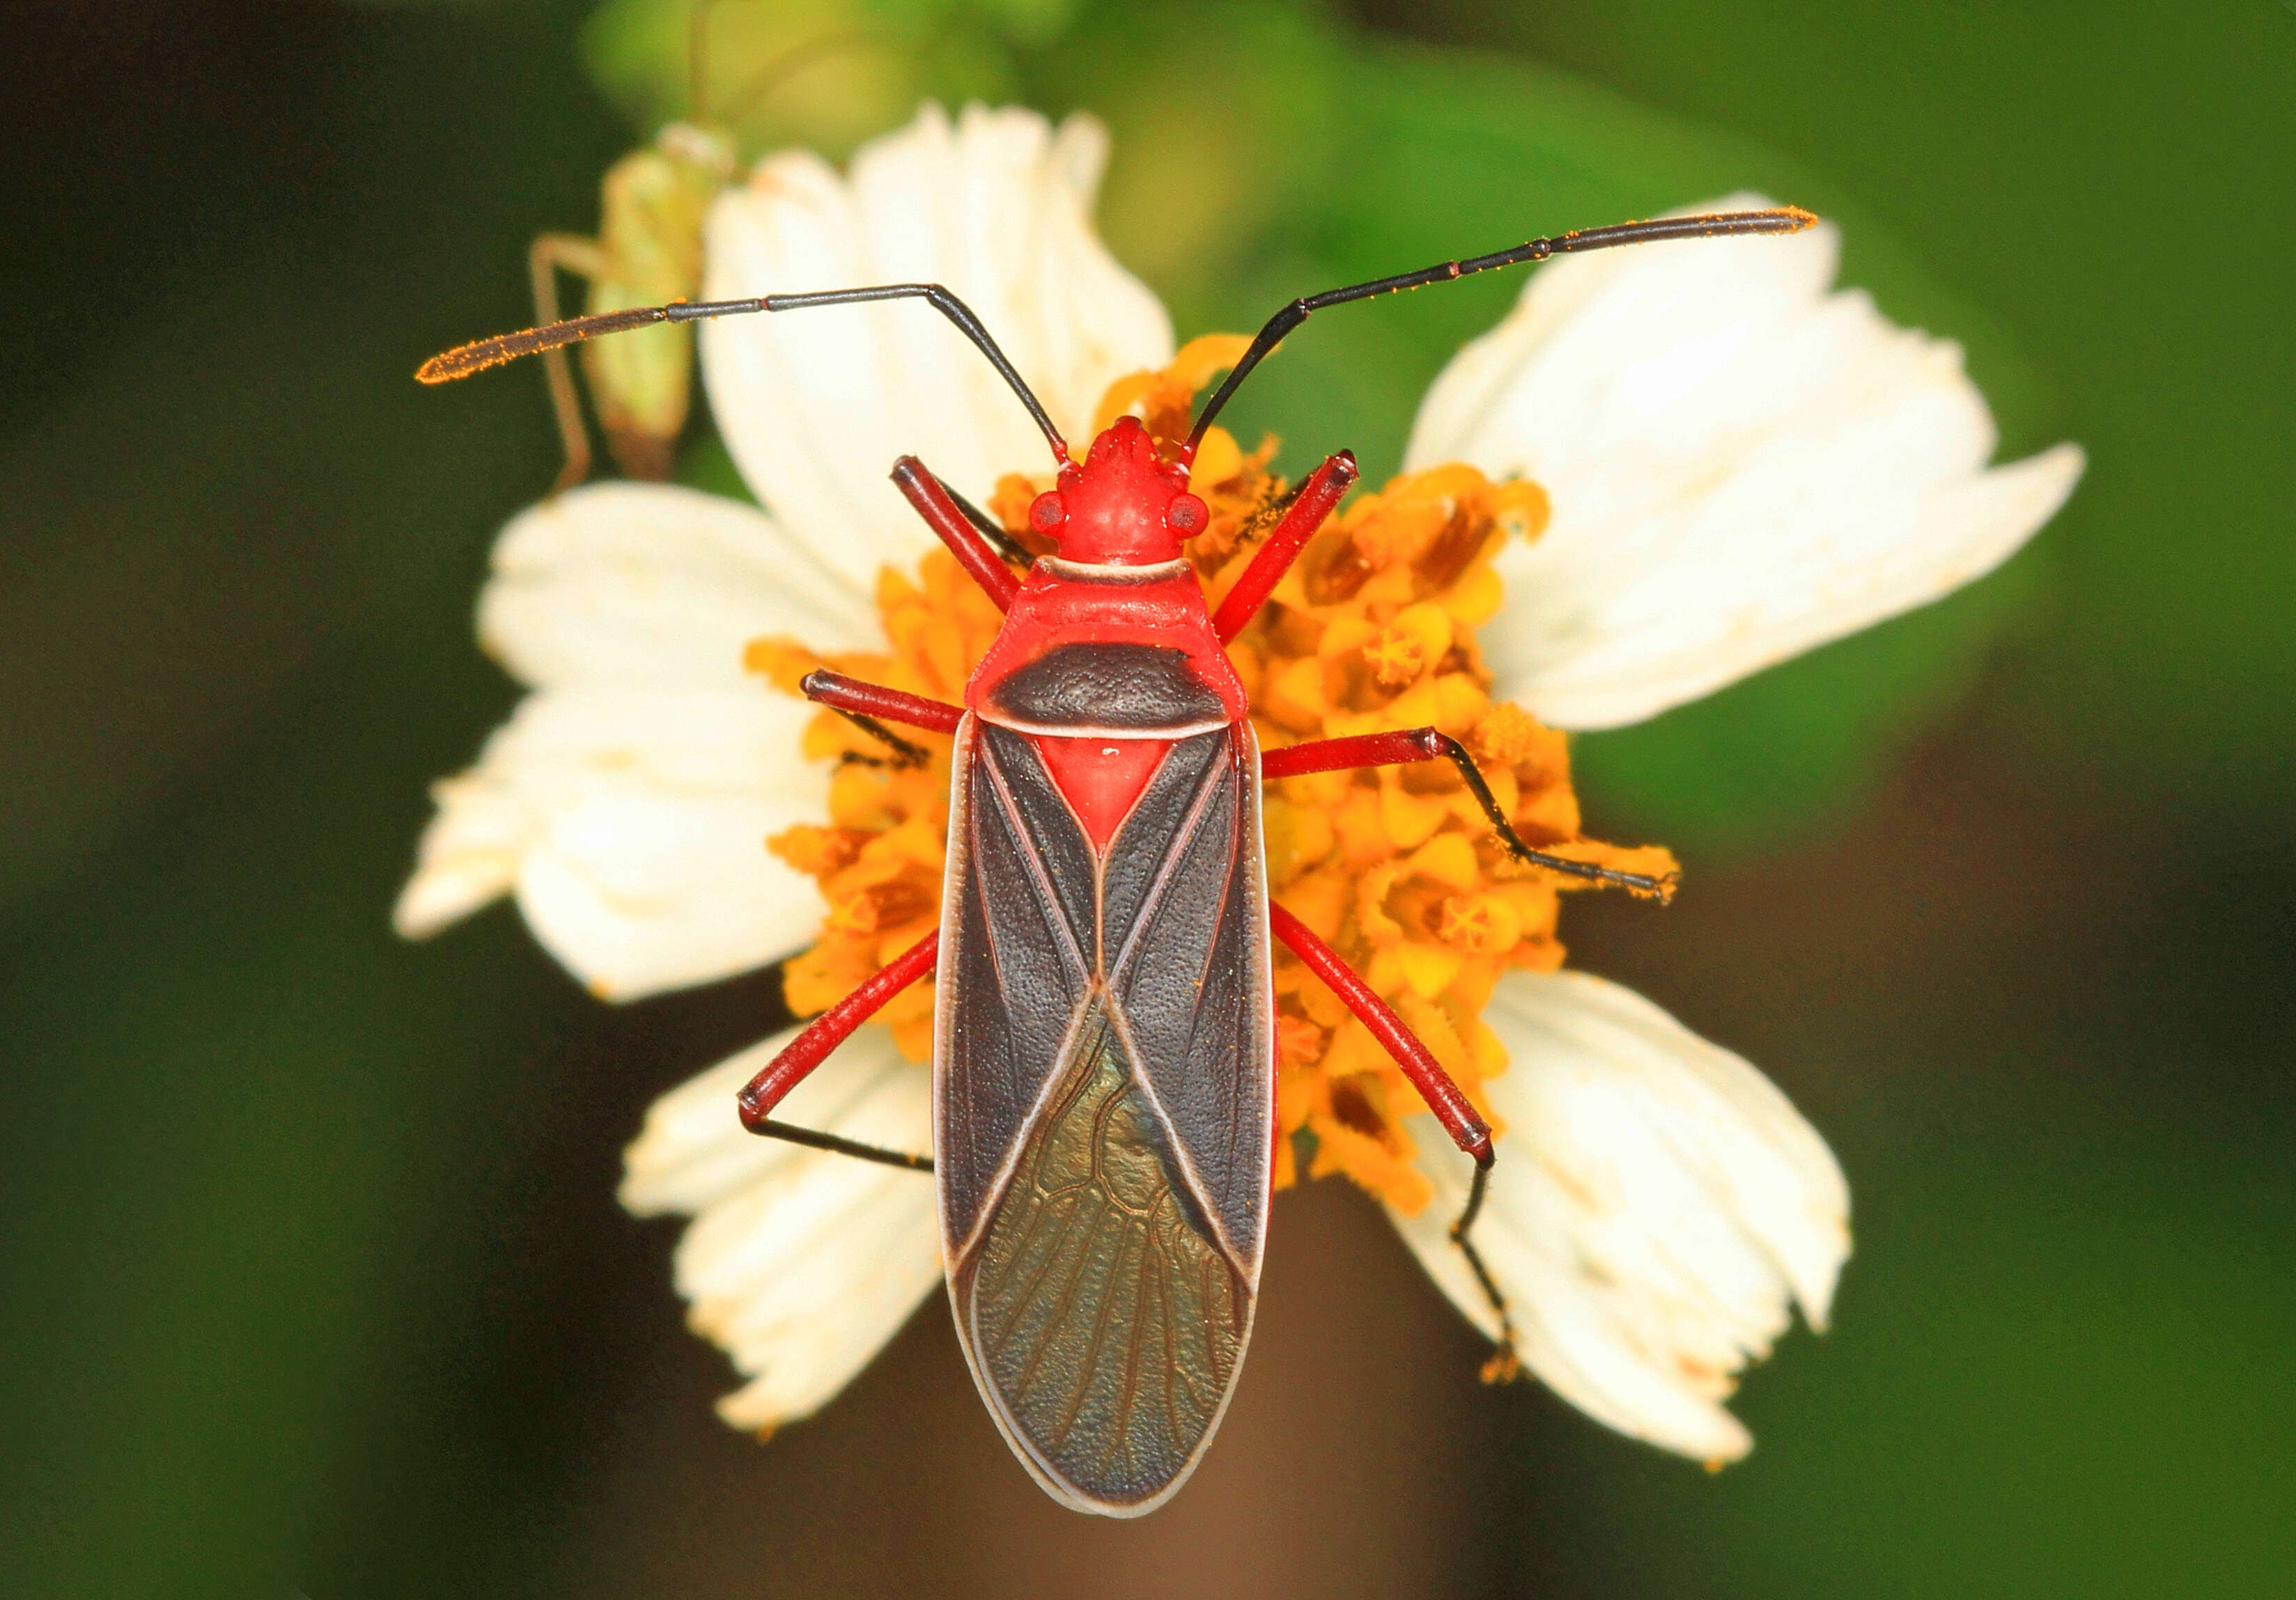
{"points": [[1123, 507]]}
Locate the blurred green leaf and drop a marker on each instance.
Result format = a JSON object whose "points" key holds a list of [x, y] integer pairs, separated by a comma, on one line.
{"points": [[706, 464], [1222, 116]]}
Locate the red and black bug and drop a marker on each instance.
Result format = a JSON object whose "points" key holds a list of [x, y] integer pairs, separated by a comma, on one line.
{"points": [[1103, 1057]]}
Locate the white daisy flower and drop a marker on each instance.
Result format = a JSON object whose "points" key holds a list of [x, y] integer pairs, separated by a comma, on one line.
{"points": [[1741, 465]]}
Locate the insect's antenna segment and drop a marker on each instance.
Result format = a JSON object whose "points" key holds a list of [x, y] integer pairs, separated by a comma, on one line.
{"points": [[463, 360], [939, 299], [479, 354], [1714, 224]]}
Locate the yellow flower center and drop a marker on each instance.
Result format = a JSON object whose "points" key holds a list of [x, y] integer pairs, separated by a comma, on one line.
{"points": [[1373, 629]]}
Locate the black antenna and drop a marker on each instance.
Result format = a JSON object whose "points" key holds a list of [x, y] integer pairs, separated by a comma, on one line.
{"points": [[463, 360], [1716, 224]]}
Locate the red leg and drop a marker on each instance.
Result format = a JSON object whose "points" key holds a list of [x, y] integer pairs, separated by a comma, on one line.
{"points": [[1469, 1131], [863, 704], [946, 518], [830, 1030], [1425, 744], [843, 693], [1309, 507]]}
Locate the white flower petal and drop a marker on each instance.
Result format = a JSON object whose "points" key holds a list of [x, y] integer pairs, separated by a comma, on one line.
{"points": [[628, 804], [648, 585], [802, 1264], [633, 828], [817, 404], [1743, 466], [1656, 1207]]}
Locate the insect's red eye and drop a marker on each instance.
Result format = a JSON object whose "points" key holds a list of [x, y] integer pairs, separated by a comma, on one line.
{"points": [[1046, 511], [1187, 514]]}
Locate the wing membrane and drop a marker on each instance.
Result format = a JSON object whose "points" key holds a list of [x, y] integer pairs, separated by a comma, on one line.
{"points": [[1104, 1314]]}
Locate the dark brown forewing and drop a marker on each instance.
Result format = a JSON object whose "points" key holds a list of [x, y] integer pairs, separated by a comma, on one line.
{"points": [[1103, 1290], [1104, 1319], [1015, 962]]}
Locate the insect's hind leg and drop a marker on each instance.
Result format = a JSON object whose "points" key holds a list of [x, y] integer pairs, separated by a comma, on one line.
{"points": [[1443, 1096], [812, 1046], [1505, 1365]]}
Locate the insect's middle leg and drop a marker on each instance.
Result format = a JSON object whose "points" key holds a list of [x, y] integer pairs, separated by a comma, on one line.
{"points": [[863, 704], [1428, 744], [1444, 1098]]}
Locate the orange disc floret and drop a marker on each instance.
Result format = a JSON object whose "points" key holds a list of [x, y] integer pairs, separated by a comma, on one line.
{"points": [[1373, 630]]}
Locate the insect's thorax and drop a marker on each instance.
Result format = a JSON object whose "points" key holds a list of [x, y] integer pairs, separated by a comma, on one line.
{"points": [[1104, 667]]}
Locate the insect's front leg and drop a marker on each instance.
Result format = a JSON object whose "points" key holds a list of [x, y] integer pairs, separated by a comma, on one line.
{"points": [[1444, 1098], [1308, 508], [1429, 744], [961, 527], [870, 706]]}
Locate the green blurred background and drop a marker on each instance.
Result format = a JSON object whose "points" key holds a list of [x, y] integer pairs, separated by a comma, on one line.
{"points": [[315, 1279]]}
